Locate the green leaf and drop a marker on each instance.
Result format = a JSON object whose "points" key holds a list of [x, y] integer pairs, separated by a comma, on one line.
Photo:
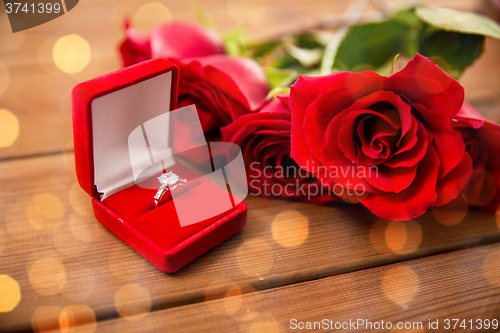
{"points": [[280, 77], [452, 51], [456, 21], [234, 42], [369, 46]]}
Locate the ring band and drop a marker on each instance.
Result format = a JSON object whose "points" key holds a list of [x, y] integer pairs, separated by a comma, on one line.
{"points": [[169, 182]]}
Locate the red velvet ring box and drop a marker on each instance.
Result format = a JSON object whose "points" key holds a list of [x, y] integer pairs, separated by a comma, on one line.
{"points": [[106, 110]]}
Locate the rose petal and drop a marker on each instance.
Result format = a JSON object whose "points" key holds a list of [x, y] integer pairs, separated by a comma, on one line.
{"points": [[453, 183], [181, 40], [412, 202], [421, 66]]}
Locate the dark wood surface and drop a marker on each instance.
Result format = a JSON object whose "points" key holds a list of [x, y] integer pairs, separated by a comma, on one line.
{"points": [[292, 260]]}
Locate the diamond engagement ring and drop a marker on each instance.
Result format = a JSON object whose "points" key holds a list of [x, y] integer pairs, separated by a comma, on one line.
{"points": [[169, 182]]}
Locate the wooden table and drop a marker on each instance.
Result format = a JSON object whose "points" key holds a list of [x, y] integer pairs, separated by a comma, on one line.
{"points": [[293, 263]]}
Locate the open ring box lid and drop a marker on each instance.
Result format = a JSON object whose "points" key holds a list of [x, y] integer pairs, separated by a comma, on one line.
{"points": [[107, 112]]}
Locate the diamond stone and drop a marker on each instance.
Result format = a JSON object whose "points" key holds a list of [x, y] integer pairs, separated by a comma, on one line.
{"points": [[169, 179]]}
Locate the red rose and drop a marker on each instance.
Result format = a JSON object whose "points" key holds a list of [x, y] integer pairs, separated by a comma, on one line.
{"points": [[482, 142], [264, 138], [222, 87], [387, 142], [172, 41]]}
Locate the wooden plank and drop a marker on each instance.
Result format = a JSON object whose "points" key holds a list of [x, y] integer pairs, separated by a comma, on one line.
{"points": [[461, 285], [60, 256]]}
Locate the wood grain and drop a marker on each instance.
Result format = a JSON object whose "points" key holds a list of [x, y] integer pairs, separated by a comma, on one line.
{"points": [[456, 285], [47, 220]]}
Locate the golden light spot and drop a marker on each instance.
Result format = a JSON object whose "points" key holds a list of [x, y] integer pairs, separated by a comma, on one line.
{"points": [[491, 268], [452, 213], [2, 240], [4, 78], [233, 300], [233, 303], [290, 228], [9, 128], [71, 53], [77, 318], [150, 15], [255, 257], [80, 200], [246, 11], [81, 227], [400, 285], [46, 319], [260, 322], [45, 212], [80, 285], [133, 302], [47, 276], [10, 293], [395, 236]]}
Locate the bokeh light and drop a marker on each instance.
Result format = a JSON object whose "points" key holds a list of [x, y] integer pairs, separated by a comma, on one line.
{"points": [[491, 268], [46, 319], [47, 276], [290, 228], [150, 15], [77, 319], [401, 284], [233, 304], [9, 128], [4, 78], [395, 236], [10, 293], [71, 53], [80, 200], [45, 212], [255, 257], [452, 213], [233, 300], [133, 302]]}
